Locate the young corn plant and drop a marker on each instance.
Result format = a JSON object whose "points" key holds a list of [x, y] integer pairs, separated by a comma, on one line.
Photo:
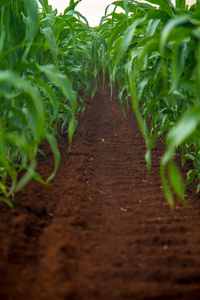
{"points": [[153, 54], [45, 61]]}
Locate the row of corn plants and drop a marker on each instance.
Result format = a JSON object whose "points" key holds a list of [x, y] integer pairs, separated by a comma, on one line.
{"points": [[48, 62], [153, 53]]}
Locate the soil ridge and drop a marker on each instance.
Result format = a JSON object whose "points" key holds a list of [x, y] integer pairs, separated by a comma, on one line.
{"points": [[102, 230]]}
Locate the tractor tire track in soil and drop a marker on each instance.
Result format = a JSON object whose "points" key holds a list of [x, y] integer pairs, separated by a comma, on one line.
{"points": [[102, 230]]}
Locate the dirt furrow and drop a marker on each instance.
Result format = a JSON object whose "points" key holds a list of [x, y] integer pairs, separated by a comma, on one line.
{"points": [[102, 230]]}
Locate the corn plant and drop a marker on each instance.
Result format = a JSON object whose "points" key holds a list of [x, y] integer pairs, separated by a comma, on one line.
{"points": [[153, 54], [48, 63]]}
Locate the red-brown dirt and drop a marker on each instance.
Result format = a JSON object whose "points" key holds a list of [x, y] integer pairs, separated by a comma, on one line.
{"points": [[102, 230]]}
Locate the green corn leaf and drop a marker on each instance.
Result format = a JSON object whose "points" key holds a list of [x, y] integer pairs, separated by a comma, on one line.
{"points": [[180, 4], [45, 5], [76, 13], [151, 45], [72, 5], [62, 82], [32, 13], [100, 38], [152, 27], [8, 202], [148, 159], [155, 14], [175, 179], [48, 32], [118, 30], [184, 128], [28, 176], [165, 5], [178, 63], [2, 36], [71, 129], [32, 98], [53, 143], [182, 131], [180, 34], [5, 2], [51, 94], [125, 7], [190, 177], [170, 25], [31, 21], [197, 91], [127, 38], [198, 5], [167, 191], [63, 34]]}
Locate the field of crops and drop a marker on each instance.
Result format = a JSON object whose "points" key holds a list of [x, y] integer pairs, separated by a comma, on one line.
{"points": [[99, 126], [49, 63]]}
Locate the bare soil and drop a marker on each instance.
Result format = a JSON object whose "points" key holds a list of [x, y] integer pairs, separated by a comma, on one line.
{"points": [[102, 230]]}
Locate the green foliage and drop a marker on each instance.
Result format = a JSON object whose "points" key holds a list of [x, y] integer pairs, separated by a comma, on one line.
{"points": [[152, 50], [46, 60], [154, 55]]}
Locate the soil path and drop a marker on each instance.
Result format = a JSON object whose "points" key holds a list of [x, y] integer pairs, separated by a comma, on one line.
{"points": [[102, 230]]}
